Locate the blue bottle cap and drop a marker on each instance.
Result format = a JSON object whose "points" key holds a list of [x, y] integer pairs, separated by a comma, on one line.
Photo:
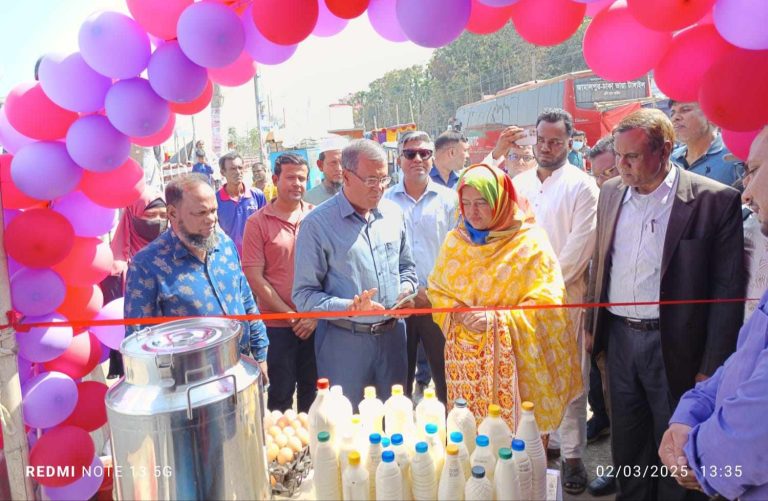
{"points": [[518, 445], [421, 447], [431, 428], [387, 456], [457, 437], [478, 471], [397, 439], [460, 403], [374, 438], [384, 442]]}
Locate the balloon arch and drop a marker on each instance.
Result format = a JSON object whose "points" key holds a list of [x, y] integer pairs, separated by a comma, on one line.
{"points": [[69, 137]]}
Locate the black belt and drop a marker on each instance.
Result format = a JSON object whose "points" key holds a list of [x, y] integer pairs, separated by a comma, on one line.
{"points": [[359, 327], [638, 324]]}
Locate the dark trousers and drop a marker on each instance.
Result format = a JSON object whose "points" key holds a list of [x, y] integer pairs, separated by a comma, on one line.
{"points": [[595, 397], [423, 374], [422, 328], [291, 367]]}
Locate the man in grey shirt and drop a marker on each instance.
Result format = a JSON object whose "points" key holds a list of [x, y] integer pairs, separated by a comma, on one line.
{"points": [[352, 255]]}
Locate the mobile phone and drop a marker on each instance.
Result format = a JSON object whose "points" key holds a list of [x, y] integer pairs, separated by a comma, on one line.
{"points": [[529, 139], [404, 300]]}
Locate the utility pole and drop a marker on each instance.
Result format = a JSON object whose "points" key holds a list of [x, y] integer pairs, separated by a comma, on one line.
{"points": [[410, 105], [533, 65], [258, 115], [397, 113]]}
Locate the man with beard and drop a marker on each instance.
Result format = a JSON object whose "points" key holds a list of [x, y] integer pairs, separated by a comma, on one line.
{"points": [[236, 201], [329, 163], [193, 269]]}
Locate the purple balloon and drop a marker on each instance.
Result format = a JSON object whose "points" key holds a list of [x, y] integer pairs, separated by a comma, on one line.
{"points": [[95, 145], [743, 22], [87, 218], [13, 266], [69, 82], [48, 399], [37, 291], [210, 34], [11, 139], [383, 17], [42, 344], [258, 47], [165, 66], [110, 335], [447, 19], [328, 24], [44, 170], [114, 45], [26, 369], [505, 3], [81, 489], [135, 109]]}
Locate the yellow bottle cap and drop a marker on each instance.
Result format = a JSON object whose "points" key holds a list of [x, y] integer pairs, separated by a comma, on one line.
{"points": [[356, 419], [527, 406], [429, 393], [452, 450], [369, 392], [494, 410], [353, 458], [397, 389]]}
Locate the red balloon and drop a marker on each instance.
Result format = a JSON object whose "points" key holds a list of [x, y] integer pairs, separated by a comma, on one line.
{"points": [[90, 412], [158, 137], [285, 22], [739, 142], [82, 303], [732, 94], [484, 19], [694, 49], [34, 115], [536, 22], [347, 9], [13, 198], [80, 359], [196, 105], [62, 447], [39, 238], [115, 189], [158, 18], [89, 262], [669, 15], [235, 74]]}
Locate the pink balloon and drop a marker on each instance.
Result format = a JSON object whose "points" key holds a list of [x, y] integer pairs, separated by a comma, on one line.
{"points": [[618, 48], [37, 291], [83, 488], [95, 145], [157, 139], [48, 399], [739, 142], [328, 24], [44, 170], [448, 18], [71, 83], [534, 21], [110, 335], [165, 66], [743, 23], [158, 18], [27, 103], [383, 17], [235, 74], [42, 344], [210, 34], [135, 109], [88, 219], [262, 50], [11, 139], [114, 45], [596, 6], [503, 3]]}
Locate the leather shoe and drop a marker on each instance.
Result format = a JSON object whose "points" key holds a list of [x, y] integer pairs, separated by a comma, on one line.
{"points": [[602, 486], [597, 427]]}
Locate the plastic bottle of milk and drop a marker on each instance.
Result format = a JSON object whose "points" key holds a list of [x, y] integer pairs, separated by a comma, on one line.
{"points": [[360, 438], [430, 410], [372, 411], [451, 487], [458, 439], [478, 487], [494, 427], [524, 470], [423, 478], [506, 484], [345, 446], [355, 480], [342, 407], [436, 448], [398, 412], [389, 481], [320, 415], [461, 419], [327, 478], [528, 432], [374, 458], [403, 459], [483, 456]]}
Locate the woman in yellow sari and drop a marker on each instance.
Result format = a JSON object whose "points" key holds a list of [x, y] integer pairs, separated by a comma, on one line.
{"points": [[498, 257]]}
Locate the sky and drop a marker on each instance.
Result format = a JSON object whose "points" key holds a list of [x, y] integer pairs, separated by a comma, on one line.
{"points": [[322, 70]]}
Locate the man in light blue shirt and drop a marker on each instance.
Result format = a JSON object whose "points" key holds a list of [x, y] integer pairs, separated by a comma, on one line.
{"points": [[352, 254], [430, 212]]}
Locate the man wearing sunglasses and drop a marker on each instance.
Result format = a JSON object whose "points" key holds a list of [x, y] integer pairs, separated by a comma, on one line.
{"points": [[451, 155]]}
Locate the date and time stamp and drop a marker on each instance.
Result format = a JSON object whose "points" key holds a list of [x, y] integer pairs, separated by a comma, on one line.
{"points": [[662, 471]]}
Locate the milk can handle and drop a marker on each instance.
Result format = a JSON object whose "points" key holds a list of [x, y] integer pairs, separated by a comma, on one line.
{"points": [[189, 390]]}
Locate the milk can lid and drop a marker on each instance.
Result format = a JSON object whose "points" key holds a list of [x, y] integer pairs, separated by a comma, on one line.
{"points": [[180, 336]]}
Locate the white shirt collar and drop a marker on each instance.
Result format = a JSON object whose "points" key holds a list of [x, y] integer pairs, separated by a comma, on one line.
{"points": [[661, 193]]}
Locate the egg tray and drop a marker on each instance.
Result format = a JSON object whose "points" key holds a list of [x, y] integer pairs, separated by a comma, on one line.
{"points": [[289, 476]]}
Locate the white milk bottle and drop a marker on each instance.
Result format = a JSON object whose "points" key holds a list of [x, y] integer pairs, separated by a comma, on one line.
{"points": [[461, 419], [320, 415], [524, 470], [423, 478], [451, 486], [403, 459], [478, 487], [374, 458], [483, 456], [389, 482], [528, 432], [345, 446], [355, 480], [506, 485], [494, 427], [436, 448], [342, 407], [371, 411], [326, 465], [398, 413], [361, 438], [430, 410], [458, 439]]}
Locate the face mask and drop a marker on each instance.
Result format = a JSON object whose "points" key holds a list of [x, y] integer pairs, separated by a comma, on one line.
{"points": [[149, 229], [577, 145]]}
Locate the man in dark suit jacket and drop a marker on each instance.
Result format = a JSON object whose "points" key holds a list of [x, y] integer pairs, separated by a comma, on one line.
{"points": [[663, 234]]}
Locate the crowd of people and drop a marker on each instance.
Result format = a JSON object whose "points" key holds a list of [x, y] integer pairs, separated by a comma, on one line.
{"points": [[649, 223]]}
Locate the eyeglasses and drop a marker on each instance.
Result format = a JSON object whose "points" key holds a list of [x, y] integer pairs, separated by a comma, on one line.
{"points": [[524, 158], [373, 182], [606, 174], [551, 143], [423, 153]]}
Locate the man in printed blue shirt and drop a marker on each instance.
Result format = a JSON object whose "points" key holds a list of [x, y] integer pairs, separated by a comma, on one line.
{"points": [[236, 201], [193, 269]]}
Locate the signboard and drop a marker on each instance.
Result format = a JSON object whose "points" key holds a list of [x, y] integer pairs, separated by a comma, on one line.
{"points": [[590, 90]]}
